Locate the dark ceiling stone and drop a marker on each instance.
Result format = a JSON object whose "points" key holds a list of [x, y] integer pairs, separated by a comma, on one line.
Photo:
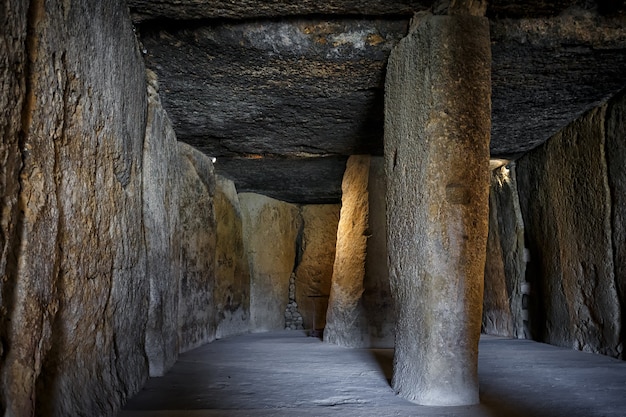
{"points": [[250, 9], [293, 89], [547, 72], [290, 88], [303, 180]]}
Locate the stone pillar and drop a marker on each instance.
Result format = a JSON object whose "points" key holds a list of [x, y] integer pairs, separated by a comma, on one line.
{"points": [[437, 125], [345, 311]]}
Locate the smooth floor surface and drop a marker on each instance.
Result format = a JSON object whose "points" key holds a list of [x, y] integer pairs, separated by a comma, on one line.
{"points": [[290, 374]]}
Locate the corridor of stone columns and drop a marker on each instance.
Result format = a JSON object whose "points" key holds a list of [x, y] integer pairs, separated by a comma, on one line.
{"points": [[433, 190]]}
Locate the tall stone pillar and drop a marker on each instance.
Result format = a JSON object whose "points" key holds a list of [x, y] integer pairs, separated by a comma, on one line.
{"points": [[437, 124], [345, 317]]}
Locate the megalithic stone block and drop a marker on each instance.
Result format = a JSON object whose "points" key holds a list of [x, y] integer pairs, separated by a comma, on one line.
{"points": [[437, 126]]}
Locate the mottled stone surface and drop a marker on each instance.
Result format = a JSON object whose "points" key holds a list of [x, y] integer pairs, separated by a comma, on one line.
{"points": [[197, 218], [78, 270], [311, 180], [566, 204], [315, 269], [615, 126], [232, 272], [161, 186], [270, 228], [345, 318], [13, 23], [377, 298], [195, 9], [547, 72], [436, 159], [505, 267], [303, 92]]}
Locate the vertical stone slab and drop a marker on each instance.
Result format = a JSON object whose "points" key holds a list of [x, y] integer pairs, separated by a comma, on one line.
{"points": [[232, 273], [505, 267], [270, 228], [437, 123], [345, 318], [13, 34], [315, 270], [161, 175], [196, 319], [512, 244], [81, 241], [616, 155], [377, 298], [566, 204]]}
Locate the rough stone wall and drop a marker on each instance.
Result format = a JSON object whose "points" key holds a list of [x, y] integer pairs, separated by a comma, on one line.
{"points": [[80, 227], [232, 272], [377, 299], [197, 319], [505, 267], [270, 228], [566, 204], [615, 126], [315, 270], [79, 239], [13, 21], [161, 174], [345, 318]]}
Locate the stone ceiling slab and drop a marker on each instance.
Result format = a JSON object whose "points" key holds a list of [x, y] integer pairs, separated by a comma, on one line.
{"points": [[295, 88]]}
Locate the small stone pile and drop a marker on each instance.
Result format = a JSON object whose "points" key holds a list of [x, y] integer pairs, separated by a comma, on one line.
{"points": [[293, 318]]}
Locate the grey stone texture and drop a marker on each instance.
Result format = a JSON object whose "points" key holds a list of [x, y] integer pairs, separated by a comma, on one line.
{"points": [[378, 304], [232, 272], [161, 191], [304, 92], [567, 205], [77, 239], [505, 266], [86, 232], [197, 318], [315, 269], [345, 315], [615, 130], [437, 123], [576, 58], [195, 9], [270, 228]]}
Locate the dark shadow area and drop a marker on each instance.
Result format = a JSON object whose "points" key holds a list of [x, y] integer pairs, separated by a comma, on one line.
{"points": [[384, 359]]}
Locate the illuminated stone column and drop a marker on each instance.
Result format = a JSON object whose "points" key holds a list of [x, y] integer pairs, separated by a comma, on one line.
{"points": [[344, 317], [437, 124]]}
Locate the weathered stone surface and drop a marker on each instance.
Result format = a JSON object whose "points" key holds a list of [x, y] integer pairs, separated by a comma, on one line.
{"points": [[270, 228], [232, 272], [616, 155], [547, 72], [377, 299], [315, 270], [197, 218], [295, 180], [505, 267], [345, 317], [13, 21], [161, 177], [78, 270], [195, 9], [309, 87], [566, 204], [436, 159]]}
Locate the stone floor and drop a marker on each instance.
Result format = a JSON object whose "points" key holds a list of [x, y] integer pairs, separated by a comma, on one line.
{"points": [[289, 374]]}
